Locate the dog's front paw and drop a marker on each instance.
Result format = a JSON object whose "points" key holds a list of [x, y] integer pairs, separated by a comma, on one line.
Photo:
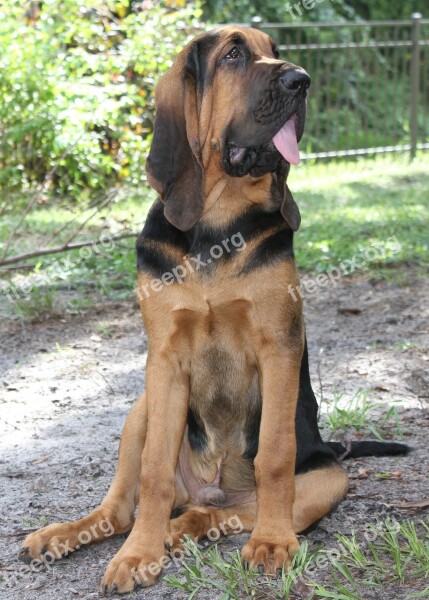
{"points": [[49, 543], [60, 539], [269, 556], [130, 570]]}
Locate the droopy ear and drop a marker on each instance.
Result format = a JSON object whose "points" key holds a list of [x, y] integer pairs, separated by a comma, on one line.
{"points": [[174, 164], [289, 208]]}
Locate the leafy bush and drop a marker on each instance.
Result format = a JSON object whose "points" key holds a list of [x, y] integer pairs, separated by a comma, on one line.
{"points": [[278, 11], [76, 89]]}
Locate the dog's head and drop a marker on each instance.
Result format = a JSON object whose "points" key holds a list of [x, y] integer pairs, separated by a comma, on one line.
{"points": [[227, 93]]}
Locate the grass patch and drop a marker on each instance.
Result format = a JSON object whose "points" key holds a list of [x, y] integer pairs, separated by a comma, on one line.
{"points": [[359, 415], [37, 304], [36, 522], [347, 207], [223, 574], [399, 554], [389, 554]]}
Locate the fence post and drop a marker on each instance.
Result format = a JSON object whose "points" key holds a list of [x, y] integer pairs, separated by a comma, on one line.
{"points": [[415, 84], [256, 22]]}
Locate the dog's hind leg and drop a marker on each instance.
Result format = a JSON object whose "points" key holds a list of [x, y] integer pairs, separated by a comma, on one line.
{"points": [[317, 493], [200, 522], [115, 514]]}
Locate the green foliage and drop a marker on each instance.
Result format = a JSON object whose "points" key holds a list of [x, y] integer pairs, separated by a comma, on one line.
{"points": [[392, 554], [271, 11], [349, 207], [241, 11], [38, 305], [224, 576], [384, 9], [399, 554], [76, 92], [278, 11], [358, 415], [76, 89]]}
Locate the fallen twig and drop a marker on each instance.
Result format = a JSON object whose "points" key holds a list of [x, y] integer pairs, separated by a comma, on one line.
{"points": [[63, 248]]}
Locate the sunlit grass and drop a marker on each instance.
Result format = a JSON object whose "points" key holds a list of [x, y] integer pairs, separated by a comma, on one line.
{"points": [[348, 207]]}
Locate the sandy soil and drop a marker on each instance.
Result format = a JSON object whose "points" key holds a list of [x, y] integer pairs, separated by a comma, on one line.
{"points": [[67, 384]]}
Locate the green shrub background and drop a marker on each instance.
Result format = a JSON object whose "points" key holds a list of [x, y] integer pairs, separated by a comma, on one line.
{"points": [[76, 90], [77, 80]]}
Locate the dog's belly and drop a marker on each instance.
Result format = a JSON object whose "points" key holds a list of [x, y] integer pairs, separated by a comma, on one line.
{"points": [[223, 423], [224, 400]]}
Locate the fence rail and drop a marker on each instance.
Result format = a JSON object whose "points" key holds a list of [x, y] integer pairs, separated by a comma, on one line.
{"points": [[373, 95]]}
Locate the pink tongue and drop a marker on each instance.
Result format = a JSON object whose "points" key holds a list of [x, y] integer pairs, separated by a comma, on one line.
{"points": [[286, 143]]}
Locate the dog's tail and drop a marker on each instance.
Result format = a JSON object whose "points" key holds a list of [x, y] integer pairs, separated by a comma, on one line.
{"points": [[360, 449]]}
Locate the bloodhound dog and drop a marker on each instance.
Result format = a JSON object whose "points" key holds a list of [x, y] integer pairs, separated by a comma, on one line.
{"points": [[227, 426]]}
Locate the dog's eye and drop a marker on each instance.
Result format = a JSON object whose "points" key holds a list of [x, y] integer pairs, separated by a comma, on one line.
{"points": [[233, 54]]}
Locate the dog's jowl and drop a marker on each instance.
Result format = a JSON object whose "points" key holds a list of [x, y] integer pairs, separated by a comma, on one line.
{"points": [[226, 431]]}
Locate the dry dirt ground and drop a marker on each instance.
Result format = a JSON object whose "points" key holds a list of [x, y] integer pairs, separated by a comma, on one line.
{"points": [[67, 384]]}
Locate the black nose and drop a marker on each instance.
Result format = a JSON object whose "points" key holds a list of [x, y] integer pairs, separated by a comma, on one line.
{"points": [[294, 80]]}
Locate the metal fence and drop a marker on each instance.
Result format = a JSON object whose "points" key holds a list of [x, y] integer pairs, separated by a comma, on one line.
{"points": [[370, 89]]}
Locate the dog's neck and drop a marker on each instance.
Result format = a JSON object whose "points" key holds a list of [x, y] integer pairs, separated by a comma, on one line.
{"points": [[226, 197]]}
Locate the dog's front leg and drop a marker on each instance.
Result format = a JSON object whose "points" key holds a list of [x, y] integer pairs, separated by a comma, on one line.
{"points": [[141, 558], [273, 541]]}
